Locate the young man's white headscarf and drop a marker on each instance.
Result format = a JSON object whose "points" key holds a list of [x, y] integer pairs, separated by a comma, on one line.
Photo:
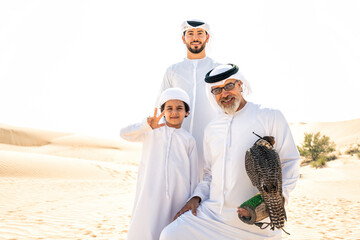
{"points": [[189, 24]]}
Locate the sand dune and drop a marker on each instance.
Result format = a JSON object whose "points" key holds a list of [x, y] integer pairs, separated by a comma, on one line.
{"points": [[64, 186], [26, 136], [326, 202], [69, 186], [20, 164], [343, 133], [33, 208]]}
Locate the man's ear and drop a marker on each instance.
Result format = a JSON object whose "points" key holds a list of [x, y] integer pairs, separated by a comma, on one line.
{"points": [[207, 37], [240, 85], [183, 38], [187, 114]]}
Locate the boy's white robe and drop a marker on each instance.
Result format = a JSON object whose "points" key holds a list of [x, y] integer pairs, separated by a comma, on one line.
{"points": [[226, 184], [168, 175]]}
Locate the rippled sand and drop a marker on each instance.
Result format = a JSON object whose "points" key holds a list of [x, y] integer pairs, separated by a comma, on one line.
{"points": [[66, 186]]}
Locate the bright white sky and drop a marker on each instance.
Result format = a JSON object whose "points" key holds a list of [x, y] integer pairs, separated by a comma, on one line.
{"points": [[94, 67]]}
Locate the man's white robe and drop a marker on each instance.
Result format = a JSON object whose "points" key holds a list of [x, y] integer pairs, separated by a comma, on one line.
{"points": [[226, 184], [168, 175], [189, 75]]}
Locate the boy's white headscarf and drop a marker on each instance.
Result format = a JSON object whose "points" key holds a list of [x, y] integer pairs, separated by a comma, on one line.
{"points": [[174, 94]]}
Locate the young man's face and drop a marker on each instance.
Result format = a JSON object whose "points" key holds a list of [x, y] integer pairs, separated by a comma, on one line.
{"points": [[195, 39], [174, 113]]}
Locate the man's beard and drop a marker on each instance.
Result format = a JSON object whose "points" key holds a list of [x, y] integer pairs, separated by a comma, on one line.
{"points": [[197, 49], [230, 108]]}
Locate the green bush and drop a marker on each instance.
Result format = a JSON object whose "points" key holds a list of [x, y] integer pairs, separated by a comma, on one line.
{"points": [[316, 149], [355, 149], [320, 162], [331, 157]]}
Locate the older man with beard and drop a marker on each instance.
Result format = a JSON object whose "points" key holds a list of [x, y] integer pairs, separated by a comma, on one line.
{"points": [[215, 203]]}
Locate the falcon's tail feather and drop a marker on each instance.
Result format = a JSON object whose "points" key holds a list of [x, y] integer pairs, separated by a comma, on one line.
{"points": [[275, 204]]}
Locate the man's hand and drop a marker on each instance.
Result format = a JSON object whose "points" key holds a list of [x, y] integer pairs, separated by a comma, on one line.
{"points": [[154, 121], [243, 212], [192, 205]]}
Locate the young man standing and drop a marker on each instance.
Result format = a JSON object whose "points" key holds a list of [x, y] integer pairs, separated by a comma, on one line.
{"points": [[189, 75]]}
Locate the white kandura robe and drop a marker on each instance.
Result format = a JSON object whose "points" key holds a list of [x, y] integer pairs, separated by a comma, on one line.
{"points": [[226, 184], [168, 175], [189, 75]]}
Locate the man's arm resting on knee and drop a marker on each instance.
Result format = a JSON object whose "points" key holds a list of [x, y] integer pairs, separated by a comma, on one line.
{"points": [[192, 205]]}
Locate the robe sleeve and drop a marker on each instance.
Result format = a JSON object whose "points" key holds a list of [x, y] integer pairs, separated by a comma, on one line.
{"points": [[135, 132], [203, 188], [288, 153]]}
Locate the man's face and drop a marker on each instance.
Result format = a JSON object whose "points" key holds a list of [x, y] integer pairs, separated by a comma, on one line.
{"points": [[229, 100], [195, 40], [174, 113]]}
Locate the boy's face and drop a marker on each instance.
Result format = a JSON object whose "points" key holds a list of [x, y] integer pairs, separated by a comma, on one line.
{"points": [[175, 113]]}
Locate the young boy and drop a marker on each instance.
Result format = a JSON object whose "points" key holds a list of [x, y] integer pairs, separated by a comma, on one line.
{"points": [[168, 169]]}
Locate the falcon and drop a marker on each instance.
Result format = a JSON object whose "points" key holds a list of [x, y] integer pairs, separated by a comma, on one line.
{"points": [[263, 166]]}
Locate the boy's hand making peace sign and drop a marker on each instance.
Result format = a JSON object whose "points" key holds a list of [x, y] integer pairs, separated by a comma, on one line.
{"points": [[154, 121]]}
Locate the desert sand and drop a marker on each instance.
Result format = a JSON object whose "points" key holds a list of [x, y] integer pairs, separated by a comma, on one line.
{"points": [[69, 186]]}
